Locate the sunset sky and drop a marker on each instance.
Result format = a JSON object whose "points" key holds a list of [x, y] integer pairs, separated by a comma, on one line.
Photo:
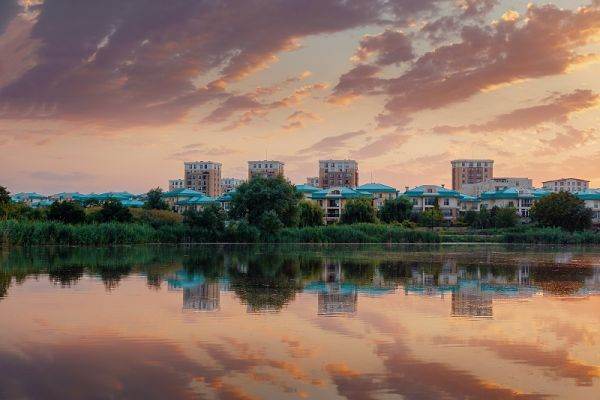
{"points": [[114, 95]]}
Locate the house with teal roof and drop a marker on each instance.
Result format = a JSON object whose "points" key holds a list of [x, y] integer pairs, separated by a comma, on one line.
{"points": [[333, 200], [429, 196], [518, 198], [224, 200], [173, 197], [306, 190], [29, 198], [379, 191], [196, 203], [591, 198], [469, 203]]}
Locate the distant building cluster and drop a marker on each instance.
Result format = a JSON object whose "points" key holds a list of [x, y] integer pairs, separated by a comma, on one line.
{"points": [[474, 187]]}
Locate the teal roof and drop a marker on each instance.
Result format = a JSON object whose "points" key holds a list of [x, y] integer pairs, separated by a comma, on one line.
{"points": [[29, 196], [344, 193], [376, 188], [420, 191], [225, 197], [306, 188], [466, 197], [132, 203], [513, 193], [197, 200], [588, 195], [42, 203], [182, 193]]}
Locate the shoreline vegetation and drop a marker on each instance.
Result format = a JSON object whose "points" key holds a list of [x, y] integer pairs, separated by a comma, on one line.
{"points": [[32, 233], [273, 211]]}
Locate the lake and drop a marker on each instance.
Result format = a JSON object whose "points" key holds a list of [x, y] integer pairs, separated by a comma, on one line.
{"points": [[290, 322]]}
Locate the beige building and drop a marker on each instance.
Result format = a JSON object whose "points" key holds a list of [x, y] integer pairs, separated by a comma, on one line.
{"points": [[496, 184], [265, 168], [338, 173], [467, 171], [571, 185], [229, 184], [176, 184], [312, 181], [430, 196], [203, 176]]}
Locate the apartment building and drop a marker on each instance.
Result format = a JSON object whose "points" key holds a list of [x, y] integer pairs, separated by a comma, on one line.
{"points": [[571, 185], [333, 201], [338, 173], [312, 181], [203, 176], [517, 198], [496, 184], [591, 198], [379, 191], [176, 184], [429, 196], [265, 168], [468, 171], [229, 184]]}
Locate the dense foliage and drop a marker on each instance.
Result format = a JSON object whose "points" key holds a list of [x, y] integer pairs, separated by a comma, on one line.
{"points": [[396, 210], [431, 217], [4, 196], [154, 200], [67, 212], [496, 217], [260, 195], [310, 214], [563, 210], [358, 211]]}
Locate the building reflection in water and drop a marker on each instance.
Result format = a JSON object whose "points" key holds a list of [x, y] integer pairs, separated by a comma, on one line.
{"points": [[204, 297]]}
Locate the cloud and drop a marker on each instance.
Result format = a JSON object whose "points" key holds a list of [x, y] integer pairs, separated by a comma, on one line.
{"points": [[140, 63], [297, 119], [543, 43], [381, 146], [556, 109], [332, 144], [391, 47], [200, 150]]}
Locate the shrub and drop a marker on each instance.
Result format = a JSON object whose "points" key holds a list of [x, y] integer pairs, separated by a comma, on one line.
{"points": [[154, 200], [357, 211], [396, 210], [113, 211], [506, 217], [67, 212], [310, 214], [432, 217]]}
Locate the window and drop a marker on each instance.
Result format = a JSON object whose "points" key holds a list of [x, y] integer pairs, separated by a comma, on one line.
{"points": [[446, 202]]}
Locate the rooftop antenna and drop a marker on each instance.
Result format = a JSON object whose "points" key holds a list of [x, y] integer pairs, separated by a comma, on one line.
{"points": [[266, 155], [372, 181]]}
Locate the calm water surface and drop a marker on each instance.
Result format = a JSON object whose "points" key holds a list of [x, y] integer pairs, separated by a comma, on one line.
{"points": [[288, 322]]}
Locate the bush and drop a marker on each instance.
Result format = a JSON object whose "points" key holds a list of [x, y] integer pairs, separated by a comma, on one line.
{"points": [[432, 217], [310, 214], [396, 210], [113, 211], [154, 200], [155, 218], [270, 223], [208, 224], [358, 211], [67, 212], [506, 217], [563, 210], [242, 232]]}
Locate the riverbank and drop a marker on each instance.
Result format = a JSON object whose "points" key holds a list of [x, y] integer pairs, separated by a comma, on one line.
{"points": [[29, 233]]}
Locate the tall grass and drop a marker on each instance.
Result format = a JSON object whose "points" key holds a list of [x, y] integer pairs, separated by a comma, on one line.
{"points": [[551, 236], [358, 233]]}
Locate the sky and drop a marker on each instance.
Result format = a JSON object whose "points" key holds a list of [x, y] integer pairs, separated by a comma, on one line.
{"points": [[113, 95]]}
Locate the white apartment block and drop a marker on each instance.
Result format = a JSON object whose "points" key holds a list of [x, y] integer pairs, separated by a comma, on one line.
{"points": [[496, 184], [229, 184], [572, 185], [175, 184], [265, 168]]}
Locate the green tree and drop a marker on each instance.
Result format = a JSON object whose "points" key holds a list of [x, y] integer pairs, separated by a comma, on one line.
{"points": [[68, 212], [310, 214], [396, 210], [207, 224], [357, 211], [562, 210], [270, 223], [432, 217], [113, 211], [154, 200], [4, 196], [506, 217], [259, 195]]}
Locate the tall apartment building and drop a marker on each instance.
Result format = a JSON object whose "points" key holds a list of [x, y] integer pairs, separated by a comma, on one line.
{"points": [[203, 176], [175, 184], [471, 171], [312, 181], [495, 185], [338, 173], [572, 185], [265, 168], [229, 184]]}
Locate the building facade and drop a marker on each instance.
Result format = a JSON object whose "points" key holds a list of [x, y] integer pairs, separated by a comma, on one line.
{"points": [[425, 197], [333, 201], [496, 184], [265, 168], [572, 185], [520, 199], [229, 184], [380, 192], [203, 176], [312, 181], [338, 173], [468, 171], [176, 184]]}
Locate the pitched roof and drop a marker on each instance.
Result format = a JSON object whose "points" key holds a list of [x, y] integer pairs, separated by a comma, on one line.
{"points": [[588, 195], [303, 188], [376, 188], [440, 191], [340, 192], [196, 200], [182, 193]]}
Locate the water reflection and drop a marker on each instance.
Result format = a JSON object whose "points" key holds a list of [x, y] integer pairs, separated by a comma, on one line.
{"points": [[318, 322]]}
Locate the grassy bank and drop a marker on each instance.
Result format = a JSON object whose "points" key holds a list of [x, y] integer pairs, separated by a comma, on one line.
{"points": [[28, 233]]}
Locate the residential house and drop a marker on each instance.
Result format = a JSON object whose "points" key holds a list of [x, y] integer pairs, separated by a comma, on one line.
{"points": [[379, 191], [333, 201], [307, 190], [430, 196], [520, 199]]}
